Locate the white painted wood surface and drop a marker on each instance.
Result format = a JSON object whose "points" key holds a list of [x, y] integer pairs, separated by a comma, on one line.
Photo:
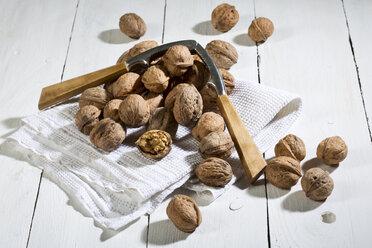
{"points": [[309, 54]]}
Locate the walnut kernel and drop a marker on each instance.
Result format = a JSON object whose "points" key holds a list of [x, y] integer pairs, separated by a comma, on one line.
{"points": [[224, 17], [317, 184], [214, 172], [107, 135], [260, 29], [132, 25], [283, 172], [332, 150], [154, 143], [291, 146]]}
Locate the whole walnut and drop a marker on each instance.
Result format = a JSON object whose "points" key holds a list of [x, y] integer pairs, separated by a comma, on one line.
{"points": [[228, 80], [317, 184], [209, 96], [134, 111], [283, 172], [214, 172], [188, 106], [126, 84], [216, 144], [224, 17], [183, 211], [223, 53], [198, 75], [154, 100], [107, 135], [291, 146], [173, 82], [260, 29], [171, 97], [208, 122], [86, 118], [96, 96], [137, 49], [332, 150], [111, 110], [154, 143], [177, 60], [132, 25], [163, 119], [155, 79]]}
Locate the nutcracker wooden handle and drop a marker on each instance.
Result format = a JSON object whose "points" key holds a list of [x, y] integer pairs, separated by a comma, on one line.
{"points": [[250, 157]]}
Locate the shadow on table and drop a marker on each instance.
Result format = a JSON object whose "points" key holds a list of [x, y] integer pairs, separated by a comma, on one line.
{"points": [[158, 233], [298, 202], [11, 123], [205, 28], [316, 163], [114, 36], [244, 40]]}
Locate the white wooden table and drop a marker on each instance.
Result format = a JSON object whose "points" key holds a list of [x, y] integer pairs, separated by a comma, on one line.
{"points": [[320, 50]]}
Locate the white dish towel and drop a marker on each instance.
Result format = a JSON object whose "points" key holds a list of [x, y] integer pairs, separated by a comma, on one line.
{"points": [[118, 187]]}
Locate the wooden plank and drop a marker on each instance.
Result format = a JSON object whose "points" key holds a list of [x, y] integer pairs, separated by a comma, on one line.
{"points": [[220, 226], [34, 39], [359, 21], [96, 43], [310, 54]]}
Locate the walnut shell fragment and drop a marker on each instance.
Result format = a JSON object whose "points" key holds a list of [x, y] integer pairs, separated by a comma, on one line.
{"points": [[283, 172], [154, 143], [137, 49], [183, 211], [208, 122], [132, 25], [177, 60], [86, 118], [291, 146], [188, 106], [224, 17], [111, 110], [107, 135], [260, 29], [96, 96], [134, 111], [214, 172], [163, 119], [154, 100], [155, 79], [128, 83], [317, 184], [223, 53], [216, 144], [332, 150]]}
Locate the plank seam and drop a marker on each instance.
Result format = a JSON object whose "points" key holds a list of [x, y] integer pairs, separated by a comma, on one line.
{"points": [[148, 231], [267, 214], [357, 70], [34, 210], [165, 12]]}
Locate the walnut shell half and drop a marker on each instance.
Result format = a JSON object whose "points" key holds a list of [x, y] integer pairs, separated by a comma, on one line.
{"points": [[154, 143], [216, 144], [107, 135], [283, 172], [317, 184], [214, 172], [291, 146]]}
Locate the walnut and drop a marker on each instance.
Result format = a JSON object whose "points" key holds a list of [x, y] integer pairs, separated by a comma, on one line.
{"points": [[208, 122], [260, 29], [198, 75], [126, 84], [96, 96], [291, 146], [188, 106], [283, 172], [177, 59], [154, 143], [155, 79], [209, 96], [228, 80], [107, 135], [223, 53], [86, 118], [154, 100], [183, 211], [332, 150], [173, 82], [134, 111], [224, 17], [214, 172], [216, 144], [111, 110], [171, 97], [132, 25], [163, 119], [137, 49], [317, 184]]}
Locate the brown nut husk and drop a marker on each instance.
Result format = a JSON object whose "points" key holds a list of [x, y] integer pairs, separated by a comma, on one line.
{"points": [[96, 96], [154, 100], [283, 172], [260, 29], [291, 146], [107, 135], [188, 106], [137, 49], [155, 79], [223, 53], [332, 150], [198, 75], [216, 144], [214, 172], [208, 122], [171, 97], [177, 60], [111, 110], [163, 119], [134, 111], [317, 184], [183, 211], [154, 143], [128, 83], [86, 118], [132, 25], [224, 17]]}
